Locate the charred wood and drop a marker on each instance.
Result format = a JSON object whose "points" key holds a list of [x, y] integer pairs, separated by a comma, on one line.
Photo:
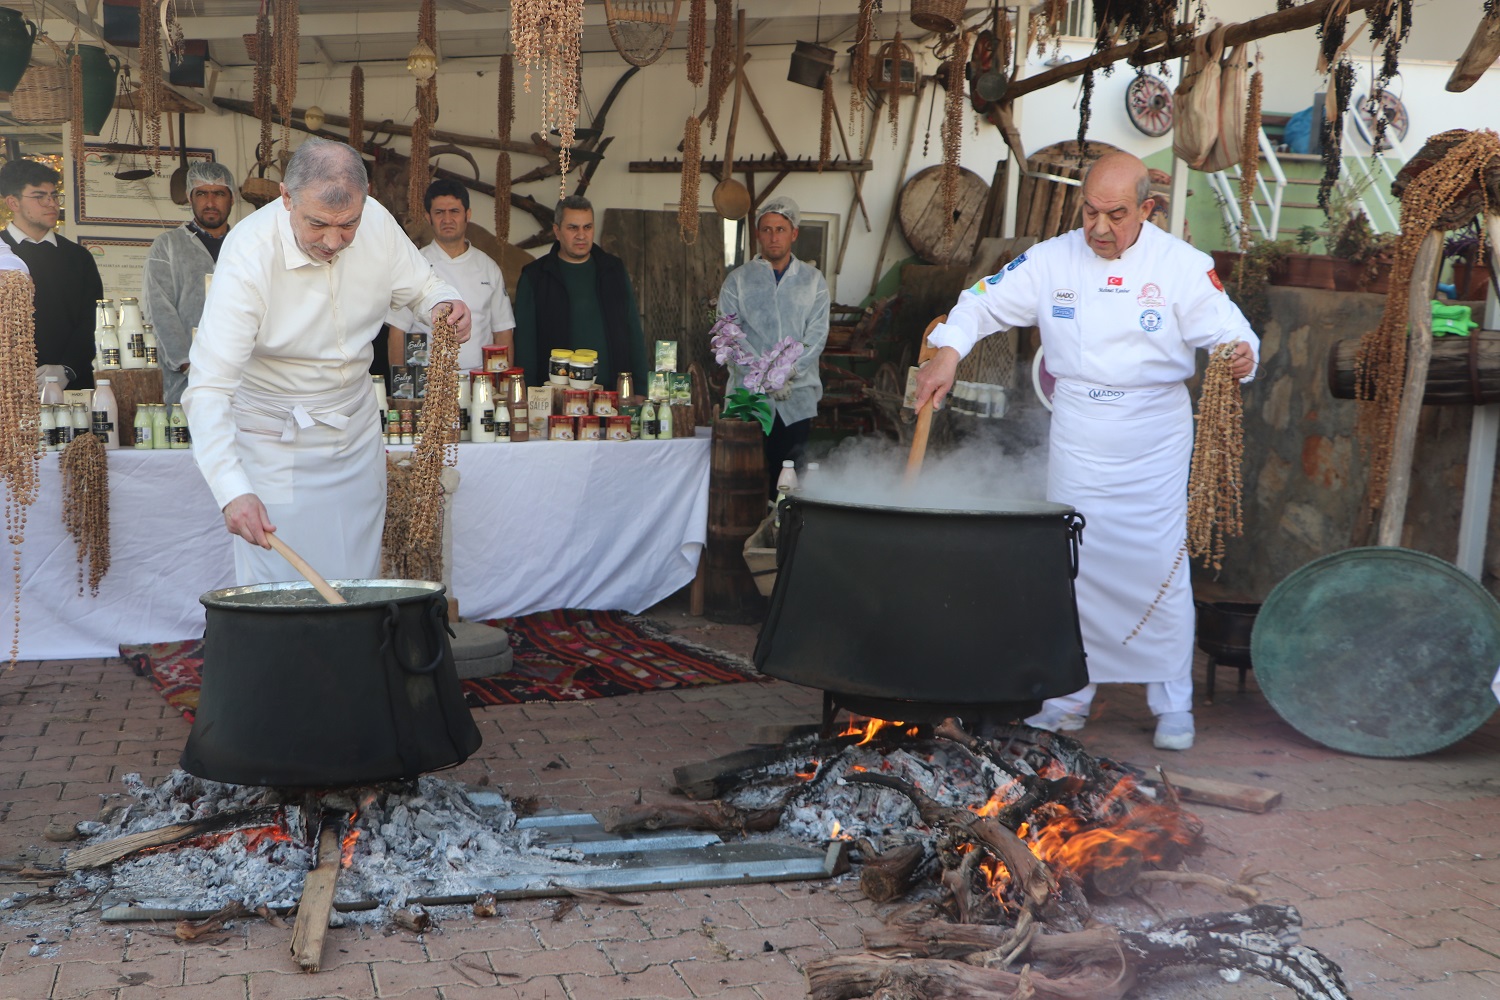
{"points": [[846, 977], [110, 851], [316, 904], [888, 876]]}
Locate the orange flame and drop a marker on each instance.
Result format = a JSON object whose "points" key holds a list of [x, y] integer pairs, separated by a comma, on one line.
{"points": [[811, 772], [870, 727], [346, 847], [1143, 835], [837, 834], [997, 800]]}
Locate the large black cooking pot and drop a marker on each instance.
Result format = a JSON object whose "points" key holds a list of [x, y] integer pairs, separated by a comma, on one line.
{"points": [[928, 611], [298, 692]]}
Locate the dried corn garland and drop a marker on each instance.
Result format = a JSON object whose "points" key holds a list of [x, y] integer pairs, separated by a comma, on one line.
{"points": [[1250, 157], [284, 63], [692, 162], [722, 65], [502, 197], [1214, 485], [1380, 362], [859, 66], [412, 541], [357, 110], [20, 419], [84, 465], [75, 104], [264, 107], [893, 91], [953, 133], [825, 136], [419, 171], [549, 36], [506, 98], [149, 97], [697, 40]]}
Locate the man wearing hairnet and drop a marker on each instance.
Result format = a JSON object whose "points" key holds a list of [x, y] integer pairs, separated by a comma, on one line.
{"points": [[775, 295], [173, 289]]}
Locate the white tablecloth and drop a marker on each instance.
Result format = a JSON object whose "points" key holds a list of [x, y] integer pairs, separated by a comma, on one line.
{"points": [[541, 525]]}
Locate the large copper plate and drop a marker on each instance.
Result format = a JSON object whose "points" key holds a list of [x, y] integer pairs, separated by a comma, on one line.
{"points": [[1384, 652]]}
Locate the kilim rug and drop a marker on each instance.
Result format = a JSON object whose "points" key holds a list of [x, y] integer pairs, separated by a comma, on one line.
{"points": [[559, 656]]}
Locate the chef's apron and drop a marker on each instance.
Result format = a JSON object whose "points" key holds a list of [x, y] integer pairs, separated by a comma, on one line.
{"points": [[317, 462], [1121, 457]]}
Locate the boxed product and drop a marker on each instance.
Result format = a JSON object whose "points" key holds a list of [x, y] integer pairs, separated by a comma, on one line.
{"points": [[680, 388], [538, 409], [403, 385], [415, 348], [666, 356]]}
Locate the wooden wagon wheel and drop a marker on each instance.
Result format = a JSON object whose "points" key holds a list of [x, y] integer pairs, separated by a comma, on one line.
{"points": [[641, 29], [919, 208], [1148, 104]]}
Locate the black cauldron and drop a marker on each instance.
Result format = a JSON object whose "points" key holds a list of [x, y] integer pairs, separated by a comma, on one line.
{"points": [[301, 693], [914, 614]]}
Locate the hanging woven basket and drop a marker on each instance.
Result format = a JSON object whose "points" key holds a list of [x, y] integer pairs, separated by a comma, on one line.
{"points": [[937, 15], [41, 98]]}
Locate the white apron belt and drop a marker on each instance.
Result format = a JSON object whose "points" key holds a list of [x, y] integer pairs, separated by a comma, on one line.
{"points": [[260, 412]]}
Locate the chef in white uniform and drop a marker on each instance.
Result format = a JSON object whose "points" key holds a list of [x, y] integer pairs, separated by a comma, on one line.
{"points": [[1122, 307], [285, 427]]}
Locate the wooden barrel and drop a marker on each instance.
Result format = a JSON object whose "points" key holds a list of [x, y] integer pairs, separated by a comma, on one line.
{"points": [[736, 506], [132, 387], [1463, 370]]}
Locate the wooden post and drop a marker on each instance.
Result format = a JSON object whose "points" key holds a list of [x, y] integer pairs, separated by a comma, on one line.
{"points": [[890, 223], [1418, 355], [1483, 49], [317, 896]]}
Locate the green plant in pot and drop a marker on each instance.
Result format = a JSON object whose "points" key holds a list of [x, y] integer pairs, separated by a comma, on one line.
{"points": [[1251, 276], [1370, 252]]}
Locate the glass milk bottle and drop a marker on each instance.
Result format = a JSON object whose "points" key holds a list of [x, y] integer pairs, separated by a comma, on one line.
{"points": [[650, 425], [502, 420], [132, 333], [465, 397], [46, 430], [664, 420], [151, 352], [51, 392], [159, 426], [82, 423], [106, 415], [177, 428], [142, 429], [482, 409], [107, 349]]}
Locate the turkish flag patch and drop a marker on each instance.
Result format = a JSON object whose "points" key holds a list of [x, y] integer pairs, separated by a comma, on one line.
{"points": [[1213, 276], [1116, 281]]}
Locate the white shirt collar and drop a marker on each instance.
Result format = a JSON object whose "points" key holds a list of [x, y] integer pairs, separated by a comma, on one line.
{"points": [[20, 237], [291, 252]]}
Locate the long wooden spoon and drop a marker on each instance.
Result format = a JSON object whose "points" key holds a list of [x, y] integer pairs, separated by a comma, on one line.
{"points": [[924, 415], [309, 574]]}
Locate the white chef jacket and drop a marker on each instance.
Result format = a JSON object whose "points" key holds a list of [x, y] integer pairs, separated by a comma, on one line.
{"points": [[284, 324], [479, 282]]}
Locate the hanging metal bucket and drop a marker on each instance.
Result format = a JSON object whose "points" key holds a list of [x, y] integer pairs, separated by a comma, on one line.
{"points": [[811, 62], [17, 34]]}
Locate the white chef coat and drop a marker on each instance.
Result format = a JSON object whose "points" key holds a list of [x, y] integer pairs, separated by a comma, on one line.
{"points": [[1120, 337], [479, 282], [284, 345]]}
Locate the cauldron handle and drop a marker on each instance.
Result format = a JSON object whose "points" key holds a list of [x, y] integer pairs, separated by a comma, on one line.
{"points": [[437, 615], [1075, 539]]}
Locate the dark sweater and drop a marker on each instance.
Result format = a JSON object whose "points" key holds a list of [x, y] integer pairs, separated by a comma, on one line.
{"points": [[67, 287], [548, 317]]}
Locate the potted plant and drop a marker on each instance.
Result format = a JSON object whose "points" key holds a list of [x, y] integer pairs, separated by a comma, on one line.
{"points": [[1247, 275], [1471, 268], [1362, 257]]}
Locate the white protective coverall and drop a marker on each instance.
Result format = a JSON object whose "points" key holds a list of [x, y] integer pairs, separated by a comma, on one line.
{"points": [[279, 400], [172, 294], [768, 310], [1120, 337]]}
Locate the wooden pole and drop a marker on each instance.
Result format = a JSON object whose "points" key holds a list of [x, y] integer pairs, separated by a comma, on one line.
{"points": [[924, 415], [1483, 49], [890, 222], [859, 184], [317, 897], [1418, 356]]}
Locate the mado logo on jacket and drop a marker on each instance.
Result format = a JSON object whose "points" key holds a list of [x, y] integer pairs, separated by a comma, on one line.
{"points": [[1151, 296], [1150, 321], [1064, 296]]}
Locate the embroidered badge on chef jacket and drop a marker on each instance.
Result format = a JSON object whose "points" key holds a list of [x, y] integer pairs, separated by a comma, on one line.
{"points": [[978, 288], [1150, 321], [1116, 282], [1015, 263], [1151, 296], [994, 279], [1213, 276], [1062, 312], [1064, 296]]}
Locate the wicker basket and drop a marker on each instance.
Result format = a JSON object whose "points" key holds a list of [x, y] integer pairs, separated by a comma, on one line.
{"points": [[41, 98], [937, 15]]}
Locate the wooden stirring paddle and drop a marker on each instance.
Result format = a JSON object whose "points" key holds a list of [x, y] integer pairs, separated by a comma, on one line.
{"points": [[924, 415], [309, 574]]}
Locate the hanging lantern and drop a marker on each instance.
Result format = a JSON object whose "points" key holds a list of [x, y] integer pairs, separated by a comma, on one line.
{"points": [[421, 62], [314, 118]]}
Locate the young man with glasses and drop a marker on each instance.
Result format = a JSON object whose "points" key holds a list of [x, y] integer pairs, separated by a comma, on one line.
{"points": [[67, 280]]}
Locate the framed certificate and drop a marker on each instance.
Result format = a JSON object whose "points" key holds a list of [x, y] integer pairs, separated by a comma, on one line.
{"points": [[102, 199], [121, 262]]}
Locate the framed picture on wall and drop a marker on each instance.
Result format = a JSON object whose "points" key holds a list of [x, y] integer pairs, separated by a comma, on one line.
{"points": [[102, 198], [121, 262]]}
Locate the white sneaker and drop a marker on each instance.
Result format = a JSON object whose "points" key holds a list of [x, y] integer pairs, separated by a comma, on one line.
{"points": [[1056, 720], [1174, 731]]}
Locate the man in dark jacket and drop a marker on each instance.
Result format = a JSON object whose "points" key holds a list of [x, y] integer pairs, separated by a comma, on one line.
{"points": [[66, 277], [577, 297]]}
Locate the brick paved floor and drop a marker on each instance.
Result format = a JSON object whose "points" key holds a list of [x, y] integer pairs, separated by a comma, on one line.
{"points": [[1394, 864]]}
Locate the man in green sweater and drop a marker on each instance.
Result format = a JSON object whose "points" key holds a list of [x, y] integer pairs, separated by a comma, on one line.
{"points": [[576, 297]]}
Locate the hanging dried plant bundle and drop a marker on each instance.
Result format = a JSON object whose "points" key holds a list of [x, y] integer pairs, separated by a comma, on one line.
{"points": [[893, 91], [1126, 20], [692, 162], [1380, 362], [84, 466], [263, 104], [1214, 484], [149, 105], [859, 68], [1046, 21], [412, 542], [825, 137], [1085, 108], [1331, 34], [1390, 24], [20, 420], [357, 110], [953, 133], [288, 42], [549, 36], [697, 40], [75, 103], [507, 97], [419, 172], [722, 65], [1340, 95], [1250, 156], [502, 197]]}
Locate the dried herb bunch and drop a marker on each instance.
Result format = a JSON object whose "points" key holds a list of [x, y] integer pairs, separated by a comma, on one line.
{"points": [[825, 134], [1045, 22], [692, 162], [357, 110], [697, 40], [1380, 363], [1085, 108], [84, 465], [284, 67], [953, 133], [893, 91], [859, 68], [1214, 484], [506, 99], [149, 101], [549, 37], [1127, 20], [263, 103], [502, 197], [412, 542], [419, 172], [20, 418], [1250, 155], [722, 66], [1390, 24], [75, 103], [1333, 131]]}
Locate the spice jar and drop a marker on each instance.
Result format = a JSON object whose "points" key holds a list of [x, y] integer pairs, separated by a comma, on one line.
{"points": [[496, 357], [575, 402], [619, 428], [514, 381], [605, 404], [560, 429], [557, 366], [582, 368]]}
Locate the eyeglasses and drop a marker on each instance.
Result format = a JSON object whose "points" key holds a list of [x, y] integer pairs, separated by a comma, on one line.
{"points": [[43, 198]]}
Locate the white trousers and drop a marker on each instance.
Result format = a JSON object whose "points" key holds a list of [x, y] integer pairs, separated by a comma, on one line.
{"points": [[1161, 696]]}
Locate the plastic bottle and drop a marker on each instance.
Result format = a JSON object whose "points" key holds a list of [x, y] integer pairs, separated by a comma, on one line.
{"points": [[664, 421], [159, 427], [141, 437], [786, 484], [650, 423], [502, 421], [62, 417], [131, 331], [51, 392], [465, 396], [177, 428], [107, 348], [106, 415], [81, 421], [152, 355], [810, 477], [482, 409]]}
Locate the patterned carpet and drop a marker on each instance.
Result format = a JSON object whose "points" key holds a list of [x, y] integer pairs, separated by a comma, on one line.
{"points": [[559, 656]]}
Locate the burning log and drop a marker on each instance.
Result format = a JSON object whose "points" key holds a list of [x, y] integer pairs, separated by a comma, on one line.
{"points": [[888, 876], [316, 905], [110, 851], [716, 817]]}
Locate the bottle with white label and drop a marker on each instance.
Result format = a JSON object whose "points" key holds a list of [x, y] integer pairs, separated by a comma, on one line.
{"points": [[82, 422], [482, 409], [664, 420], [46, 430], [151, 352], [650, 423], [465, 396], [62, 417], [107, 349], [142, 429], [131, 331], [502, 420], [177, 428], [786, 485], [105, 415], [159, 427]]}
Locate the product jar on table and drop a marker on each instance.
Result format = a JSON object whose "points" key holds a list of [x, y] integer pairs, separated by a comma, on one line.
{"points": [[557, 366], [560, 428]]}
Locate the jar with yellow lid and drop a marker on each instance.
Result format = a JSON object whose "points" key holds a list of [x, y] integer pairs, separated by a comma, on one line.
{"points": [[557, 366], [582, 368]]}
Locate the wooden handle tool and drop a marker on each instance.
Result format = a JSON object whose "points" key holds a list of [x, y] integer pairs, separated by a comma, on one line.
{"points": [[309, 574], [924, 415]]}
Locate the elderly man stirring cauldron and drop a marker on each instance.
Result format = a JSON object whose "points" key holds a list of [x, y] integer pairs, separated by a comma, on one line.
{"points": [[284, 423], [1122, 306]]}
